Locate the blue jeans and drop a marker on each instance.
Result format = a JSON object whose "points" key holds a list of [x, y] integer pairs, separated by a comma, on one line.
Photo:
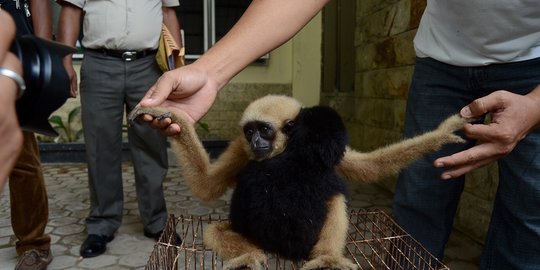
{"points": [[424, 205]]}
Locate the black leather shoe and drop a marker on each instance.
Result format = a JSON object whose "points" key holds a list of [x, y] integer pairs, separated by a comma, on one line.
{"points": [[155, 236], [95, 245]]}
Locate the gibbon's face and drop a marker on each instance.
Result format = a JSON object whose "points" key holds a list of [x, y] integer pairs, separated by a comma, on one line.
{"points": [[261, 135], [265, 123]]}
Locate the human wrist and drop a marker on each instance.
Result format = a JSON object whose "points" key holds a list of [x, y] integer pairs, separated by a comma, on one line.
{"points": [[534, 95], [213, 70], [18, 79]]}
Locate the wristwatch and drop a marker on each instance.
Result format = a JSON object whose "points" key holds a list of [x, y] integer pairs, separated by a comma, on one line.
{"points": [[16, 77]]}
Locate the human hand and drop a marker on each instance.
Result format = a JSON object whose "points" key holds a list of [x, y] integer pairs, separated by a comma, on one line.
{"points": [[187, 91], [513, 117], [72, 75], [10, 131]]}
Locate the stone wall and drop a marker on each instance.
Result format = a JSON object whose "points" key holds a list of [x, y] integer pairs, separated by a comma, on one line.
{"points": [[374, 113]]}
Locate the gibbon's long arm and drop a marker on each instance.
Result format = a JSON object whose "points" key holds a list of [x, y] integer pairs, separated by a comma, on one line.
{"points": [[389, 160], [207, 180]]}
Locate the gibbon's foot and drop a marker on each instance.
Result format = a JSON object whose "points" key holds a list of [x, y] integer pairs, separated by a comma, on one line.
{"points": [[155, 112], [329, 262], [450, 125], [251, 261]]}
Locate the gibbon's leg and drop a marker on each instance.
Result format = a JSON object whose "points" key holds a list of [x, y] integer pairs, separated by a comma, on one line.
{"points": [[387, 161], [328, 252], [235, 249], [207, 180]]}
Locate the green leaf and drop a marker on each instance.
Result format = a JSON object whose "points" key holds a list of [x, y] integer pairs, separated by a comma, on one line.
{"points": [[57, 122], [73, 114]]}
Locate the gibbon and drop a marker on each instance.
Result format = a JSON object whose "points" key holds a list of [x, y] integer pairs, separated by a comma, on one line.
{"points": [[288, 168]]}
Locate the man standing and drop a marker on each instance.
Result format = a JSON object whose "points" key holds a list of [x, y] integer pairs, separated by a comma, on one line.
{"points": [[120, 41]]}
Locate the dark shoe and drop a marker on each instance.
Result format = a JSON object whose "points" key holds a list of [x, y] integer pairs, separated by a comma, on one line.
{"points": [[95, 245], [155, 236], [34, 260]]}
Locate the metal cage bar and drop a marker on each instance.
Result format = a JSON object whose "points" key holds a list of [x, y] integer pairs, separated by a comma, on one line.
{"points": [[374, 241]]}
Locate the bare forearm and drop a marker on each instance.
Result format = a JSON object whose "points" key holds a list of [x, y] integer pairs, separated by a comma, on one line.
{"points": [[171, 21], [69, 26], [41, 18], [264, 26]]}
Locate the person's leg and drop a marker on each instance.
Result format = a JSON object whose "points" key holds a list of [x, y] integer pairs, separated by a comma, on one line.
{"points": [[148, 149], [513, 239], [29, 203], [424, 205], [102, 95]]}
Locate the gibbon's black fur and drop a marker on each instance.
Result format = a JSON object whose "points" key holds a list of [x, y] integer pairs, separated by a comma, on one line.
{"points": [[281, 203]]}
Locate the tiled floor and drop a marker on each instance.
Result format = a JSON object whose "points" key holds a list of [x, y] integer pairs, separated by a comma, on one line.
{"points": [[69, 204]]}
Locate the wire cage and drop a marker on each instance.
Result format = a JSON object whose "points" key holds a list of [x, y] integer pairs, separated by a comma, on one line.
{"points": [[374, 241]]}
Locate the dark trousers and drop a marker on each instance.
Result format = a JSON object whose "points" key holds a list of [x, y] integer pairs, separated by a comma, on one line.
{"points": [[28, 199], [110, 87], [425, 205]]}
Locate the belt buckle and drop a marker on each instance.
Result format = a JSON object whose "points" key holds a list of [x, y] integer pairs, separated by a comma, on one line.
{"points": [[129, 56]]}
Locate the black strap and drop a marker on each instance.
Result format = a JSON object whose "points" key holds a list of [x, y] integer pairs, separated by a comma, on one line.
{"points": [[22, 22]]}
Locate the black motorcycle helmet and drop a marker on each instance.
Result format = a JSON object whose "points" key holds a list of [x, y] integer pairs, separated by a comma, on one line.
{"points": [[47, 82]]}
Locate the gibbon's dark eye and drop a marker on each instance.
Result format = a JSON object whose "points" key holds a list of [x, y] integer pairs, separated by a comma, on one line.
{"points": [[248, 132], [288, 126], [266, 131]]}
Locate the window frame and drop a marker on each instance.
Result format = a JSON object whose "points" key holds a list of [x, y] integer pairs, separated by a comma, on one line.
{"points": [[209, 32]]}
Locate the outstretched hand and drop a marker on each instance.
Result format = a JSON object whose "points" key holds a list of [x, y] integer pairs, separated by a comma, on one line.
{"points": [[186, 91], [513, 117]]}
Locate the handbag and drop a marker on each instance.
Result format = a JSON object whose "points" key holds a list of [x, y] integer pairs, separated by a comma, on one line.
{"points": [[169, 55]]}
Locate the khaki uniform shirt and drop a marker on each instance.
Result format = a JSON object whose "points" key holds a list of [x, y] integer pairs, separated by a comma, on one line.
{"points": [[122, 24]]}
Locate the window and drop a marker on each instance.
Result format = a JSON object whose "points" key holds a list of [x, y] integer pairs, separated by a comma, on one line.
{"points": [[206, 21]]}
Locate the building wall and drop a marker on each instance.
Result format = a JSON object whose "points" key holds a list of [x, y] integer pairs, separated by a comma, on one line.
{"points": [[375, 112], [292, 69]]}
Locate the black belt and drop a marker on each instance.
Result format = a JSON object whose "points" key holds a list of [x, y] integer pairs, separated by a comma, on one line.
{"points": [[124, 55]]}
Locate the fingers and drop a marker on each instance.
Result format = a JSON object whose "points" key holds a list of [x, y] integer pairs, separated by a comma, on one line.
{"points": [[465, 161], [172, 130], [74, 87], [164, 125], [458, 171], [483, 105], [158, 92]]}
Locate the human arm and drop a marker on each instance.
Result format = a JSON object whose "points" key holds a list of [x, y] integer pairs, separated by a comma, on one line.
{"points": [[10, 132], [171, 21], [513, 117], [41, 18], [191, 90], [68, 33]]}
